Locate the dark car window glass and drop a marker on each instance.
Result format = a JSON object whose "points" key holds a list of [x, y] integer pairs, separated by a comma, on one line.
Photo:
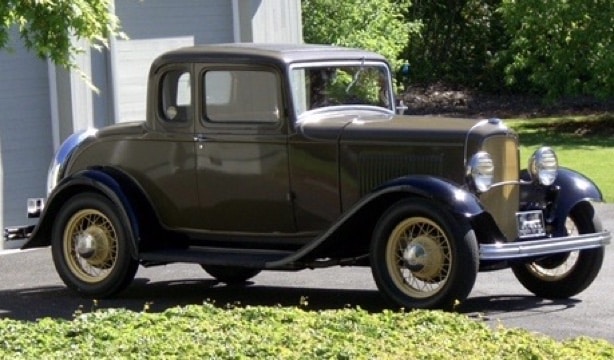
{"points": [[241, 96], [176, 96]]}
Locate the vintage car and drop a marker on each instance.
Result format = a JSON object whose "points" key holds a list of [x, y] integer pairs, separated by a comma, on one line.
{"points": [[259, 157]]}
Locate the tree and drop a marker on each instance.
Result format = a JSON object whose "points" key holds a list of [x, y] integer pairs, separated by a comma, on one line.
{"points": [[458, 43], [376, 25], [562, 48], [50, 28]]}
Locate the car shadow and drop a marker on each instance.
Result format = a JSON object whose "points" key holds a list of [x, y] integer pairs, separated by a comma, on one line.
{"points": [[144, 295], [513, 306]]}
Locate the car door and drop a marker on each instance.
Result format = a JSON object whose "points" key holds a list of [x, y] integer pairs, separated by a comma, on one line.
{"points": [[241, 152], [162, 158]]}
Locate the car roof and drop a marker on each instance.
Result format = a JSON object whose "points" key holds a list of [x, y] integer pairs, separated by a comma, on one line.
{"points": [[275, 53]]}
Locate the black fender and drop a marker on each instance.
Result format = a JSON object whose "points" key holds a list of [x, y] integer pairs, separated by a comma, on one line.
{"points": [[575, 190], [571, 189], [451, 196], [362, 216], [110, 182]]}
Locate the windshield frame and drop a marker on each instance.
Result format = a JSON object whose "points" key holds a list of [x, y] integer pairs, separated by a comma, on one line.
{"points": [[299, 98]]}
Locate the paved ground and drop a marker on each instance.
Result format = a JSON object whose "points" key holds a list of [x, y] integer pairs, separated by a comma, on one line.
{"points": [[31, 289]]}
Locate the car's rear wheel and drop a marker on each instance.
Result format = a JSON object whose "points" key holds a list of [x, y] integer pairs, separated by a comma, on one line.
{"points": [[567, 274], [90, 247], [422, 258], [231, 274]]}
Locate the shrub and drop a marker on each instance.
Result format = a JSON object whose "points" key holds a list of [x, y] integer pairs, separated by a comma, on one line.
{"points": [[562, 48]]}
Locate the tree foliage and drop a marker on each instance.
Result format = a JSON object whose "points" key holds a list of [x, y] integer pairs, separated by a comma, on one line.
{"points": [[376, 25], [52, 28], [458, 43], [561, 47]]}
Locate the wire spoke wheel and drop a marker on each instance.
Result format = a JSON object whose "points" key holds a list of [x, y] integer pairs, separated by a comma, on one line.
{"points": [[557, 267], [418, 257], [90, 245], [422, 257], [564, 275]]}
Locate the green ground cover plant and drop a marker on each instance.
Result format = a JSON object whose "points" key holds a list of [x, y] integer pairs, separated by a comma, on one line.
{"points": [[210, 332], [583, 143]]}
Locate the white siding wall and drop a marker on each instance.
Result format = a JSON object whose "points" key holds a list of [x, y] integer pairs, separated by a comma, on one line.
{"points": [[270, 21], [208, 21], [25, 131]]}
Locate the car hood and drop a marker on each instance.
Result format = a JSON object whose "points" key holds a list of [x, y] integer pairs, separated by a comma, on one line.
{"points": [[388, 128]]}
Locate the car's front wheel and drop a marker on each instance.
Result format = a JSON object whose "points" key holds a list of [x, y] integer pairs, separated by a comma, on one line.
{"points": [[422, 258], [90, 246], [230, 274], [567, 274]]}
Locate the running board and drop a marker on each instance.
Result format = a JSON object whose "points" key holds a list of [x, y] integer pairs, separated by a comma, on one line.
{"points": [[250, 258]]}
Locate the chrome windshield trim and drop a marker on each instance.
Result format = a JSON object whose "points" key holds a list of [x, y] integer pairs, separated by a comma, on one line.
{"points": [[521, 249]]}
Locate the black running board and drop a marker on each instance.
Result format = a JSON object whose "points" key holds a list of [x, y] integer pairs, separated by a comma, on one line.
{"points": [[250, 258]]}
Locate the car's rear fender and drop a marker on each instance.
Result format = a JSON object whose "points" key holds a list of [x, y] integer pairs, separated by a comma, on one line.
{"points": [[130, 201]]}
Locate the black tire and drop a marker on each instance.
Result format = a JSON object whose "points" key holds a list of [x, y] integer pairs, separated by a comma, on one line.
{"points": [[421, 258], [230, 274], [90, 247], [562, 276]]}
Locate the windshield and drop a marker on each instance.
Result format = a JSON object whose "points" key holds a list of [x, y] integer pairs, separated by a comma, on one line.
{"points": [[346, 84]]}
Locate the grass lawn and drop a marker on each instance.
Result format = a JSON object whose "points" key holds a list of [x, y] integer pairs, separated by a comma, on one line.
{"points": [[582, 143]]}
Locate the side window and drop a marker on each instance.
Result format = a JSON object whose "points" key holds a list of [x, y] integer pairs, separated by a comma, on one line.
{"points": [[176, 96], [241, 96]]}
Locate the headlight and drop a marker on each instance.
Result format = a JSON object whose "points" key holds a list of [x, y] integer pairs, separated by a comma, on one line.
{"points": [[481, 169], [544, 166]]}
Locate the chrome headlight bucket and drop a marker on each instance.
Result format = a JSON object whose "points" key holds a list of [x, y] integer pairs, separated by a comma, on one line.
{"points": [[544, 166], [58, 164], [481, 170]]}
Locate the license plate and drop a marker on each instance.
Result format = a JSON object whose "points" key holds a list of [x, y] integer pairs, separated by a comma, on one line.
{"points": [[530, 224]]}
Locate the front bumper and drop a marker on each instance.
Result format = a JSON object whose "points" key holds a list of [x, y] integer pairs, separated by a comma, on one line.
{"points": [[542, 247]]}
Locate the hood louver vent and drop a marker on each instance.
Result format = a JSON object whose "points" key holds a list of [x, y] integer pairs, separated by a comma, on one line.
{"points": [[375, 169]]}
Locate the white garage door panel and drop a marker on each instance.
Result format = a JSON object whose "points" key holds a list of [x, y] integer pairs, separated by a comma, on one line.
{"points": [[133, 60]]}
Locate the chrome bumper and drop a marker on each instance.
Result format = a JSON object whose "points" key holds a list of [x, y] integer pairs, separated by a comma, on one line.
{"points": [[521, 249]]}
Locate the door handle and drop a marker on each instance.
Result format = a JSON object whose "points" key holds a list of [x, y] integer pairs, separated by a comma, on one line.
{"points": [[200, 138]]}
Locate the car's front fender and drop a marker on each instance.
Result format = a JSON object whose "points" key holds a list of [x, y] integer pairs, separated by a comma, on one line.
{"points": [[357, 222], [571, 189], [448, 194], [575, 189]]}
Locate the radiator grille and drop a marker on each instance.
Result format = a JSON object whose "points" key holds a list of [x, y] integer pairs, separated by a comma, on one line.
{"points": [[502, 201]]}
